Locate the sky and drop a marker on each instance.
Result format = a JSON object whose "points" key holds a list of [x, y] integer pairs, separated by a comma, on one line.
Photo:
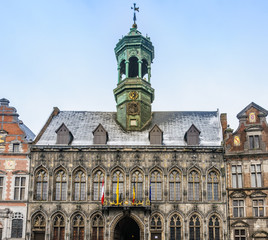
{"points": [[209, 54]]}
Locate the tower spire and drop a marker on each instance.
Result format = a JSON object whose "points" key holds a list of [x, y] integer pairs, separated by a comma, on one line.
{"points": [[134, 15]]}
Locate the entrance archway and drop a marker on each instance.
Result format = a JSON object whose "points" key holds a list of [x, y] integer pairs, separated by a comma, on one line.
{"points": [[127, 229]]}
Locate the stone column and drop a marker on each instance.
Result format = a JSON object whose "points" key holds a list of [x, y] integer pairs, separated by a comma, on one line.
{"points": [[149, 73], [127, 66], [140, 66], [119, 74]]}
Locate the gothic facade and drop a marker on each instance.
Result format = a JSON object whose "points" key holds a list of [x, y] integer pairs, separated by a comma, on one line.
{"points": [[163, 172]]}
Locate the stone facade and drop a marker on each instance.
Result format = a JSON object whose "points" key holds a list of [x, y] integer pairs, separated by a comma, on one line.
{"points": [[129, 161], [15, 138], [247, 168], [164, 178]]}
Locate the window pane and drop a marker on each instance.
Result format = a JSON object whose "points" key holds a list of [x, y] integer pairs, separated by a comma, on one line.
{"points": [[216, 192], [234, 181], [16, 193], [196, 191], [257, 142], [251, 142], [190, 191], [259, 180], [239, 181], [253, 180], [17, 181], [209, 191]]}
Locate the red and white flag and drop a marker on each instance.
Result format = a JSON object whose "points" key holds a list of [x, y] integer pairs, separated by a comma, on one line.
{"points": [[102, 192]]}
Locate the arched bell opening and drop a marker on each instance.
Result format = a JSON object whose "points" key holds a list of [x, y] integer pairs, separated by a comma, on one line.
{"points": [[122, 70], [144, 69], [127, 229], [133, 67]]}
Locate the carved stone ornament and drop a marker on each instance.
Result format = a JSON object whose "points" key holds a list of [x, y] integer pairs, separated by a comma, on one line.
{"points": [[239, 224], [239, 194], [133, 108], [258, 194]]}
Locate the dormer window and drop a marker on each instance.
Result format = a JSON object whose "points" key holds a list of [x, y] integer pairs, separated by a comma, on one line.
{"points": [[64, 135], [100, 135], [156, 135], [192, 135]]}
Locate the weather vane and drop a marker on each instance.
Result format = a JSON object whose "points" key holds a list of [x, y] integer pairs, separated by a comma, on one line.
{"points": [[134, 17]]}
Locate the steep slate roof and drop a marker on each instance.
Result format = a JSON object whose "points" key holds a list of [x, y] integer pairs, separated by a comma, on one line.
{"points": [[173, 124], [29, 135]]}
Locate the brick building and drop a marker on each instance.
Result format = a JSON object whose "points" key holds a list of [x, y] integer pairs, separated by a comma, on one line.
{"points": [[246, 153], [14, 172]]}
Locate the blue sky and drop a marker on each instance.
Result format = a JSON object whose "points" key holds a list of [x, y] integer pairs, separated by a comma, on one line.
{"points": [[209, 54]]}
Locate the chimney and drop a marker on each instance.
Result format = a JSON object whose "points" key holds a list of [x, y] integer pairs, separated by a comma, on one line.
{"points": [[223, 123]]}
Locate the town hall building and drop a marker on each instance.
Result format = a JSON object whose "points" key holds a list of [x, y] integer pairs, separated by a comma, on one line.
{"points": [[163, 173]]}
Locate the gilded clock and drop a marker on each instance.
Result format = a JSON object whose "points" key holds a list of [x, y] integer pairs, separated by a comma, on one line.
{"points": [[133, 95]]}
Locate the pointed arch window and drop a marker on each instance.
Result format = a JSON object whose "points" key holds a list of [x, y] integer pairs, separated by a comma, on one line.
{"points": [[156, 186], [194, 186], [17, 225], [137, 185], [97, 228], [41, 185], [58, 227], [174, 186], [195, 228], [175, 228], [78, 227], [118, 180], [60, 185], [213, 186], [156, 227], [79, 186], [39, 227], [214, 228], [97, 185], [156, 223]]}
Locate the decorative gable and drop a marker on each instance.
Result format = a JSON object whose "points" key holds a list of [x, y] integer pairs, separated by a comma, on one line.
{"points": [[260, 234], [258, 194], [238, 194], [192, 135], [100, 135], [263, 112], [240, 223], [156, 135], [64, 135]]}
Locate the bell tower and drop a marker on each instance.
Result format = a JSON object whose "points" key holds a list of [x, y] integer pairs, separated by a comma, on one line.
{"points": [[134, 94]]}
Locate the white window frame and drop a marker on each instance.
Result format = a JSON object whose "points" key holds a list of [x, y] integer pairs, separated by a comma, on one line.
{"points": [[4, 187], [256, 173], [12, 192], [244, 210]]}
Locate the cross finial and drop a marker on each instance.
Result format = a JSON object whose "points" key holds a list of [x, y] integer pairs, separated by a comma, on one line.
{"points": [[134, 17]]}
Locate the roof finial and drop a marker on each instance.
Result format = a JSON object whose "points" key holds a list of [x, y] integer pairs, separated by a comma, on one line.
{"points": [[134, 17]]}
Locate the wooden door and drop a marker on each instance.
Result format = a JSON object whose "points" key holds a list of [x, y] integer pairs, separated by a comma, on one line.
{"points": [[39, 236]]}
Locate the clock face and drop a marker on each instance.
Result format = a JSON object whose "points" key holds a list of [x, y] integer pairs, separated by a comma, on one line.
{"points": [[252, 117], [133, 95], [236, 141]]}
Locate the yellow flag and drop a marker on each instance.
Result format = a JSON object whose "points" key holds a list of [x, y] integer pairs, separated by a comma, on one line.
{"points": [[134, 194], [117, 190]]}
